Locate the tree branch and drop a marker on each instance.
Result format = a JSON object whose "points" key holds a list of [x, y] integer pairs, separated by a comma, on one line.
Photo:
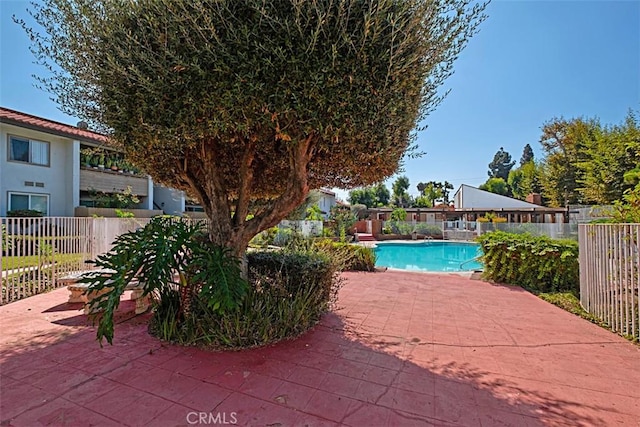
{"points": [[295, 192], [246, 180]]}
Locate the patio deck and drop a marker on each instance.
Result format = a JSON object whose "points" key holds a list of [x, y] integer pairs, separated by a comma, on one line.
{"points": [[402, 349]]}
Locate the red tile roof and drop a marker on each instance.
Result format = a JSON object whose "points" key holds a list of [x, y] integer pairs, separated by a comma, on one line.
{"points": [[49, 126]]}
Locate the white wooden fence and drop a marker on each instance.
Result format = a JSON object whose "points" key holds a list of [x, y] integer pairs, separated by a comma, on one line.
{"points": [[610, 274], [35, 251]]}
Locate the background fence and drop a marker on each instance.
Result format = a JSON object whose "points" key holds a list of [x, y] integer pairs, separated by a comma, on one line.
{"points": [[610, 274], [557, 230], [34, 252]]}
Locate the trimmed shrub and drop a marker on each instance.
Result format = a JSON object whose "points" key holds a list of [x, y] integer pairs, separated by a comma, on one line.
{"points": [[539, 264], [348, 257], [397, 227], [288, 294], [428, 230]]}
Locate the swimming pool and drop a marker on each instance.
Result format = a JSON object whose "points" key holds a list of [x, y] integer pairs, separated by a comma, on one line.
{"points": [[429, 256]]}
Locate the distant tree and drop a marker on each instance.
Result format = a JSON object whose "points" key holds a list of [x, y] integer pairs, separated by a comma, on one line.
{"points": [[372, 197], [611, 154], [527, 155], [432, 191], [563, 142], [382, 194], [247, 105], [360, 211], [524, 180], [401, 197], [501, 165], [422, 202], [363, 196], [496, 185]]}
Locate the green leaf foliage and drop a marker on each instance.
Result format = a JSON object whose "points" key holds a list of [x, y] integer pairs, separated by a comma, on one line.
{"points": [[501, 165], [538, 264], [348, 257], [246, 105], [166, 255], [289, 292]]}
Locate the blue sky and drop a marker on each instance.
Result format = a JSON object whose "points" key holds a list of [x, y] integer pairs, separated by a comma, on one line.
{"points": [[531, 61]]}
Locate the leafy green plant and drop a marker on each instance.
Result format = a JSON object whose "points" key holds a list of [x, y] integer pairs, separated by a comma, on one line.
{"points": [[428, 229], [7, 243], [314, 213], [539, 264], [124, 214], [289, 293], [346, 256], [122, 200], [343, 221], [167, 254], [264, 238], [399, 214]]}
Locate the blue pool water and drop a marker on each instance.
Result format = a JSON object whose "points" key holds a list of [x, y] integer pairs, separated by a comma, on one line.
{"points": [[429, 256]]}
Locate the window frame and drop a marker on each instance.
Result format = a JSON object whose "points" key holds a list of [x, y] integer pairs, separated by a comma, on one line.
{"points": [[10, 137], [22, 193]]}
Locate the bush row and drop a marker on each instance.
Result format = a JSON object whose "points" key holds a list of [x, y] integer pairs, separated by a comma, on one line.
{"points": [[539, 264]]}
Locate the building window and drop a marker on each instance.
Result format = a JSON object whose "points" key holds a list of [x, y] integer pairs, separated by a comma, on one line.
{"points": [[28, 151], [24, 201]]}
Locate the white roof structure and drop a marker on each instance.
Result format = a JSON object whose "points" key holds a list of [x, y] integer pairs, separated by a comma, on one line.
{"points": [[468, 197]]}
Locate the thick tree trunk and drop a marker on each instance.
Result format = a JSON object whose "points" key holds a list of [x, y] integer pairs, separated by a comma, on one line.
{"points": [[235, 231]]}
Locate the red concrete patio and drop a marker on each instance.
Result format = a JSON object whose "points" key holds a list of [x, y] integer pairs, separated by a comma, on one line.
{"points": [[403, 349]]}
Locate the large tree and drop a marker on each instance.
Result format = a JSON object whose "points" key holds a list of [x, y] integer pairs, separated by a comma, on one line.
{"points": [[249, 104], [432, 191], [401, 197], [501, 165], [496, 185], [563, 142], [611, 152], [524, 180], [527, 155], [371, 197]]}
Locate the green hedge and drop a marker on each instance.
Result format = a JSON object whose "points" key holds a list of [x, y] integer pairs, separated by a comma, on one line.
{"points": [[539, 264], [296, 271]]}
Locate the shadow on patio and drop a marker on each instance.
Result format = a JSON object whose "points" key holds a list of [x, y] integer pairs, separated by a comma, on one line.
{"points": [[54, 373]]}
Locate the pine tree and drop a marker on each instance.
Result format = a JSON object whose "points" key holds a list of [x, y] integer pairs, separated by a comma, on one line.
{"points": [[501, 165], [527, 155]]}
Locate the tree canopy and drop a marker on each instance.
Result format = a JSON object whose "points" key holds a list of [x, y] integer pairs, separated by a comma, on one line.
{"points": [[501, 165], [371, 197], [432, 191], [401, 196], [249, 104], [527, 155], [524, 180], [496, 185]]}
